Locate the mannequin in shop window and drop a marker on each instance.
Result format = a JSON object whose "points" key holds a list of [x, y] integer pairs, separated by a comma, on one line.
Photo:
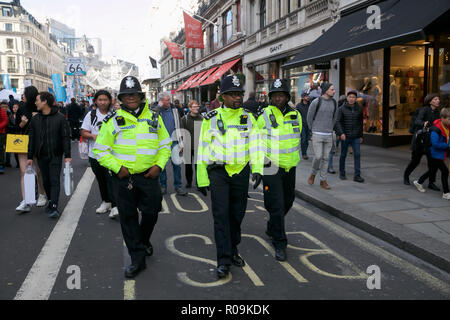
{"points": [[374, 105], [366, 86], [394, 101]]}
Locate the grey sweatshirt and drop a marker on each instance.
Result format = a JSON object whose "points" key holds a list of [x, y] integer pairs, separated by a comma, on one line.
{"points": [[324, 120]]}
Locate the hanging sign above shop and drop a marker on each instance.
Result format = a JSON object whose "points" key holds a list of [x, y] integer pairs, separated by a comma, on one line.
{"points": [[322, 65]]}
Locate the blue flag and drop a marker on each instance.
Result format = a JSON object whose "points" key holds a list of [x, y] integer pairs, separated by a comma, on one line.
{"points": [[59, 95], [6, 81]]}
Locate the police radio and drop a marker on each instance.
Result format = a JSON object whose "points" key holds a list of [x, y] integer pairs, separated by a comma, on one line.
{"points": [[273, 120], [221, 126]]}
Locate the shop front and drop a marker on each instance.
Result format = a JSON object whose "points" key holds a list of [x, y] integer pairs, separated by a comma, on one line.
{"points": [[393, 68]]}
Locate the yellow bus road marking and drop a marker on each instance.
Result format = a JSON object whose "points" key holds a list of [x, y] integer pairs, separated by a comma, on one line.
{"points": [[284, 264], [129, 291], [182, 276]]}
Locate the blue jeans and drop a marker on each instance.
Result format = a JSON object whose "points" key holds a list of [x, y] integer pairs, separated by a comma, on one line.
{"points": [[176, 174], [355, 143], [305, 140]]}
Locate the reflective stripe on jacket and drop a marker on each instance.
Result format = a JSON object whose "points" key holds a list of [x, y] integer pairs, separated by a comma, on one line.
{"points": [[135, 143], [238, 145], [281, 140]]}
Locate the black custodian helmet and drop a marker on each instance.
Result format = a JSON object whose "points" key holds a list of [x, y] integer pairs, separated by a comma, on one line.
{"points": [[280, 85], [130, 85], [231, 84]]}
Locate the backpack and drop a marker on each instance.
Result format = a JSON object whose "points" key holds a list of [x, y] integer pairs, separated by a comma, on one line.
{"points": [[412, 125], [93, 117], [422, 140], [320, 103]]}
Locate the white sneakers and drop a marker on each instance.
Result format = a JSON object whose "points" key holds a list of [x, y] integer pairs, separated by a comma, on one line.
{"points": [[104, 207], [23, 207], [114, 213], [42, 201], [419, 186], [446, 196]]}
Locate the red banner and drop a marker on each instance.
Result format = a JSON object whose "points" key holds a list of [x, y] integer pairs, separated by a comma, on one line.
{"points": [[194, 32], [174, 50]]}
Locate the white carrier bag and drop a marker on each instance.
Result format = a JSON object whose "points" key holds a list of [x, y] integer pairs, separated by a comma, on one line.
{"points": [[29, 181], [68, 179]]}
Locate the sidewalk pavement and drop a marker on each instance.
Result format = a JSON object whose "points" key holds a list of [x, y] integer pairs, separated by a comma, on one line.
{"points": [[383, 206]]}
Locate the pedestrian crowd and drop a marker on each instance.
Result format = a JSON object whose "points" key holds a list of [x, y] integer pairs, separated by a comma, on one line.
{"points": [[226, 142]]}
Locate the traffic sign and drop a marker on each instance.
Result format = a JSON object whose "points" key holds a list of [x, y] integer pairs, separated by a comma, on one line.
{"points": [[75, 67]]}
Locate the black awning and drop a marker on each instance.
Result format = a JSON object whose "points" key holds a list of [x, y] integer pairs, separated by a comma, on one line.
{"points": [[401, 21]]}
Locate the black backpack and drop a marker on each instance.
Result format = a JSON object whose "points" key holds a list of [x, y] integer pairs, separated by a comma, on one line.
{"points": [[422, 140], [412, 125]]}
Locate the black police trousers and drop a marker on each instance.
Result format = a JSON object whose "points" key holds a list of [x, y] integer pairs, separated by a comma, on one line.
{"points": [[229, 203], [145, 196], [279, 196]]}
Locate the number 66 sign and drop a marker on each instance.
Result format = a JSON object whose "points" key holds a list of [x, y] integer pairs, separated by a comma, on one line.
{"points": [[75, 67]]}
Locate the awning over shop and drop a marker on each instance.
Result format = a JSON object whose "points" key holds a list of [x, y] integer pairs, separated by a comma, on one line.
{"points": [[203, 77], [401, 21], [194, 81], [219, 72], [184, 85]]}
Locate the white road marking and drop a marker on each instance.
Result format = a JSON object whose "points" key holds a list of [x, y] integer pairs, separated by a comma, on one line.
{"points": [[40, 280]]}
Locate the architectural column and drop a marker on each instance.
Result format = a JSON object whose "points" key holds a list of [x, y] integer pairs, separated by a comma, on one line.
{"points": [[220, 32], [234, 19], [249, 81]]}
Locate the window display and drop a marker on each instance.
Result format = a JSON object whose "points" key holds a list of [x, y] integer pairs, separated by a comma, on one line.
{"points": [[364, 73], [407, 86]]}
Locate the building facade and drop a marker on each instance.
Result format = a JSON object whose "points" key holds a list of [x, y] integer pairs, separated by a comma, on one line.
{"points": [[28, 53], [262, 38]]}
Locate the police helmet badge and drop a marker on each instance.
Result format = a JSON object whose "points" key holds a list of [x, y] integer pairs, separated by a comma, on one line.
{"points": [[130, 83], [236, 81], [278, 84]]}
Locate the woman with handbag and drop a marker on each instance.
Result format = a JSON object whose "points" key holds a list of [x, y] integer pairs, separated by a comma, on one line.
{"points": [[23, 119]]}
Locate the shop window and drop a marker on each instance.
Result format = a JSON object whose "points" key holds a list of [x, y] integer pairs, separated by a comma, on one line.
{"points": [[406, 89], [262, 83], [364, 73], [305, 79]]}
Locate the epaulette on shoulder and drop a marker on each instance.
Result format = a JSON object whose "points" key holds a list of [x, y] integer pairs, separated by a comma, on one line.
{"points": [[259, 113], [109, 117], [211, 115]]}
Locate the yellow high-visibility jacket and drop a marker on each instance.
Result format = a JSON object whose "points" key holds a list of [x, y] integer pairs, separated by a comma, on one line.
{"points": [[281, 136], [229, 137], [135, 143]]}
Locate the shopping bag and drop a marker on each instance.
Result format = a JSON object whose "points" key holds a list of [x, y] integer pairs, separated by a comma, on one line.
{"points": [[17, 143], [83, 148], [29, 181], [68, 179]]}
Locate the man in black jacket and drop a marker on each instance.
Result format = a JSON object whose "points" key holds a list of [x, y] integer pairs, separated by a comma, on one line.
{"points": [[349, 127], [251, 104], [74, 115], [49, 140], [303, 108], [426, 117]]}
